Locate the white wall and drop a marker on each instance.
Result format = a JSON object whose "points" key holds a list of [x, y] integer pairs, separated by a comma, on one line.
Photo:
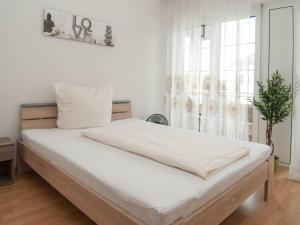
{"points": [[30, 62]]}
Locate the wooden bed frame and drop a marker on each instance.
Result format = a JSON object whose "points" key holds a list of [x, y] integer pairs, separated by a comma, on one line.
{"points": [[104, 212]]}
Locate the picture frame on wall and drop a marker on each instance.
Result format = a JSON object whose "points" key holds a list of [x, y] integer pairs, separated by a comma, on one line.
{"points": [[79, 28]]}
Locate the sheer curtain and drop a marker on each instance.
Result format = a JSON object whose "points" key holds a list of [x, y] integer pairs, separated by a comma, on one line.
{"points": [[211, 65], [294, 173]]}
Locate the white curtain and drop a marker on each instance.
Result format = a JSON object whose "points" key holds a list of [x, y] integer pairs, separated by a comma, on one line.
{"points": [[211, 65], [295, 162]]}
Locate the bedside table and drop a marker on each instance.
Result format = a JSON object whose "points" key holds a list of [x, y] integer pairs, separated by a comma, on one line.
{"points": [[7, 161]]}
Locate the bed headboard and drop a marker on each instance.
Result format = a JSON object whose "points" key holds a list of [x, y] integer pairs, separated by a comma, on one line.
{"points": [[43, 116]]}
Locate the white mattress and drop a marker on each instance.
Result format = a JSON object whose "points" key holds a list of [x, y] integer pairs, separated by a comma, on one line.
{"points": [[152, 192]]}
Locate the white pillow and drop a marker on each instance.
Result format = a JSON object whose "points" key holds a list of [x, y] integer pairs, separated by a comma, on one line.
{"points": [[83, 107]]}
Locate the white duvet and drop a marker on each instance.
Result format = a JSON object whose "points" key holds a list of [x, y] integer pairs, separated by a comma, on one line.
{"points": [[201, 154], [151, 192]]}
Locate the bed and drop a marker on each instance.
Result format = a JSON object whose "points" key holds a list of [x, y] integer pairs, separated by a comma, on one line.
{"points": [[114, 187]]}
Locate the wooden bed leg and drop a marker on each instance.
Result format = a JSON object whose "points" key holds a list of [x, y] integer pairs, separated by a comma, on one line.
{"points": [[22, 166], [269, 182]]}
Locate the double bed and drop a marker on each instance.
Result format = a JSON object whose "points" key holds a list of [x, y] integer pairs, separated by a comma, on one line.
{"points": [[115, 187]]}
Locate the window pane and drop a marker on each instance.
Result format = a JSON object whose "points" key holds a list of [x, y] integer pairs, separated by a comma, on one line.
{"points": [[247, 52], [244, 31], [187, 82], [205, 59], [205, 43], [205, 82], [230, 84], [252, 29], [228, 58], [187, 43], [247, 30], [196, 38], [246, 84], [229, 33], [187, 60], [195, 60]]}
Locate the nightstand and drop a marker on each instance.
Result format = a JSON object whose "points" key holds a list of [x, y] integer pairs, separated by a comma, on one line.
{"points": [[7, 161]]}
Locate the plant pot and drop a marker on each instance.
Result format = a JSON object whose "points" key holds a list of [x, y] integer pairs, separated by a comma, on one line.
{"points": [[276, 163]]}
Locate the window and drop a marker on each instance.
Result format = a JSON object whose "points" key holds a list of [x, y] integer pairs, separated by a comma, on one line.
{"points": [[197, 61], [237, 58], [237, 64], [219, 64]]}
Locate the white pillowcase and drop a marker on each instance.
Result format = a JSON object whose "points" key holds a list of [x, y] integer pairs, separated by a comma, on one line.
{"points": [[83, 107]]}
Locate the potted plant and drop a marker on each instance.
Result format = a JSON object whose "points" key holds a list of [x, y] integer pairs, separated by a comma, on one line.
{"points": [[275, 104]]}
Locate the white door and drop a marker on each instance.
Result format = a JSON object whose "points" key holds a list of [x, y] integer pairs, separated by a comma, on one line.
{"points": [[278, 54]]}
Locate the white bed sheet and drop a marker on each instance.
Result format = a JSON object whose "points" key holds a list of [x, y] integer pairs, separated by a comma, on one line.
{"points": [[152, 192]]}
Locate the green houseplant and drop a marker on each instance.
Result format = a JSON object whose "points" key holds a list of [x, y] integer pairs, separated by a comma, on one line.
{"points": [[275, 104]]}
